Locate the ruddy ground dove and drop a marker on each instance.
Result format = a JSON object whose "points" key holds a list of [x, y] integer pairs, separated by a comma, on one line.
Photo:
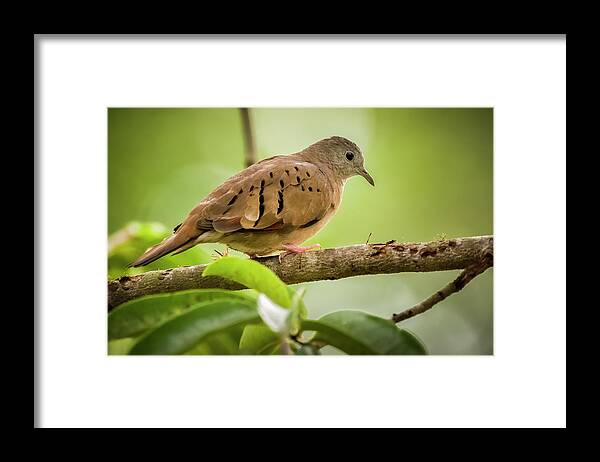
{"points": [[273, 205]]}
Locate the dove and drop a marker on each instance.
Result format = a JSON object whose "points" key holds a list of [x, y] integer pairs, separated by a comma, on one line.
{"points": [[271, 206]]}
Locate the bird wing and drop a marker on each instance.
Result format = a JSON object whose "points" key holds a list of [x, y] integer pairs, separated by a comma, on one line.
{"points": [[276, 192]]}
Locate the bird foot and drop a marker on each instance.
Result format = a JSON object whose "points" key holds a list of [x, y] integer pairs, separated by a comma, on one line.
{"points": [[220, 255], [292, 249]]}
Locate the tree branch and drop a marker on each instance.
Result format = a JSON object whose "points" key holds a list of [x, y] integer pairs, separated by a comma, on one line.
{"points": [[250, 152], [336, 263], [470, 272]]}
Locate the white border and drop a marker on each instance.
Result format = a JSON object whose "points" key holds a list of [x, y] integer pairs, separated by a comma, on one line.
{"points": [[522, 385]]}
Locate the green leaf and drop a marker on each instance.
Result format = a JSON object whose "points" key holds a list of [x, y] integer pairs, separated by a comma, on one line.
{"points": [[258, 339], [360, 333], [298, 312], [182, 333], [253, 275], [120, 346], [137, 316], [221, 343]]}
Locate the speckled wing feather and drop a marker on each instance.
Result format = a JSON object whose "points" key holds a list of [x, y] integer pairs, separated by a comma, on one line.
{"points": [[280, 191]]}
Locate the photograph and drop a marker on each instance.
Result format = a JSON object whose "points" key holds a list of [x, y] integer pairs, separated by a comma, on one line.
{"points": [[300, 231]]}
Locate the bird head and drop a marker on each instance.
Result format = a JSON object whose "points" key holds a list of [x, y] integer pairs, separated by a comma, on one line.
{"points": [[341, 155]]}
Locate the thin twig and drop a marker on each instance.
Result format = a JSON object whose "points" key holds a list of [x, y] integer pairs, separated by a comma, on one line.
{"points": [[326, 264], [250, 147], [466, 276]]}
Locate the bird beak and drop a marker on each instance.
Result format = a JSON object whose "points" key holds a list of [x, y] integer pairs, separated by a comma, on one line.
{"points": [[366, 176]]}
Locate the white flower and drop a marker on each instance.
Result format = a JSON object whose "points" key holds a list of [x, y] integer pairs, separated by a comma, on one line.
{"points": [[273, 315]]}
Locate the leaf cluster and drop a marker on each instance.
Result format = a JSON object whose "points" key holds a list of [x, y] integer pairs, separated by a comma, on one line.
{"points": [[270, 318]]}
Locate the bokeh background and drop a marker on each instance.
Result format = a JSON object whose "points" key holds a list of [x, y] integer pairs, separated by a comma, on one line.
{"points": [[433, 170]]}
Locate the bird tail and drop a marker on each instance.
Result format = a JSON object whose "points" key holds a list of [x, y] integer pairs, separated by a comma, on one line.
{"points": [[168, 245]]}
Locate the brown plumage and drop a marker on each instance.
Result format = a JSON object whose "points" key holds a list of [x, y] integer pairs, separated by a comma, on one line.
{"points": [[275, 204]]}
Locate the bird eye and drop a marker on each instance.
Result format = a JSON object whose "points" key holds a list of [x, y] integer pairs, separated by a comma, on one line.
{"points": [[349, 155]]}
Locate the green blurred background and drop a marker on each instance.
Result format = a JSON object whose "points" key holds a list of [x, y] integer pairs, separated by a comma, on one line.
{"points": [[433, 174]]}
